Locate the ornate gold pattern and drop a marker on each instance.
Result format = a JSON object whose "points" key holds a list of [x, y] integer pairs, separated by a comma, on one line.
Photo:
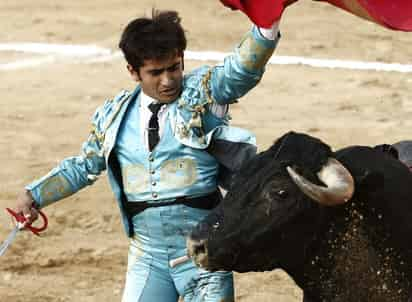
{"points": [[205, 85], [55, 188], [252, 54], [101, 136], [178, 173], [135, 178]]}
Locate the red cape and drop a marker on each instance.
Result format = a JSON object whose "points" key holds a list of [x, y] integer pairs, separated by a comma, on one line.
{"points": [[263, 13], [393, 14]]}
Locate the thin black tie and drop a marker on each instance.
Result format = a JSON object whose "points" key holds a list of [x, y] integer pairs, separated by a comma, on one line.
{"points": [[154, 125]]}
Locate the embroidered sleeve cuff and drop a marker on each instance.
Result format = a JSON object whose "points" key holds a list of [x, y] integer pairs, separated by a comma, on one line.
{"points": [[50, 188], [255, 50]]}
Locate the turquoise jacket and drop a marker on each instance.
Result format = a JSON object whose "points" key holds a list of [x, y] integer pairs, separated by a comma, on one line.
{"points": [[191, 123]]}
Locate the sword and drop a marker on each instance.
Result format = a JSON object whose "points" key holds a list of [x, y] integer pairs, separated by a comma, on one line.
{"points": [[10, 238], [20, 225]]}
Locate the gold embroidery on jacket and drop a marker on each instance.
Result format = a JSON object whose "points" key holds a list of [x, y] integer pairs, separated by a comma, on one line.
{"points": [[54, 188], [135, 178], [206, 87], [178, 173], [253, 55], [101, 136]]}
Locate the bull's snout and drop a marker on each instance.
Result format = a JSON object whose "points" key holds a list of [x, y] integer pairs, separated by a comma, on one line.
{"points": [[197, 250]]}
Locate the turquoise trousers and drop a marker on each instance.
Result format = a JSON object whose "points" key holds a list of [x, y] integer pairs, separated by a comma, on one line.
{"points": [[160, 236]]}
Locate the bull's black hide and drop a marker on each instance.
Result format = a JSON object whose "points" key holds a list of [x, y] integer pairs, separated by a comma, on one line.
{"points": [[358, 251]]}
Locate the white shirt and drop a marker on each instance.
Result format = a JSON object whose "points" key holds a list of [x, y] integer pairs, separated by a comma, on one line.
{"points": [[146, 114], [270, 33]]}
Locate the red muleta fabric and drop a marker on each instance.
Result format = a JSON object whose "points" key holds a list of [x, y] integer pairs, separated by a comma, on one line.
{"points": [[393, 14], [263, 13]]}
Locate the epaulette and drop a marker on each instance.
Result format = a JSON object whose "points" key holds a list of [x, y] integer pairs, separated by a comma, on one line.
{"points": [[107, 113]]}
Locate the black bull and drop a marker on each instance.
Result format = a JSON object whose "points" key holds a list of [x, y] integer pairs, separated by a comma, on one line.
{"points": [[356, 250]]}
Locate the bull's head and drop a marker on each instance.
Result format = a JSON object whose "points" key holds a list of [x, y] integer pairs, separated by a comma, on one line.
{"points": [[271, 207]]}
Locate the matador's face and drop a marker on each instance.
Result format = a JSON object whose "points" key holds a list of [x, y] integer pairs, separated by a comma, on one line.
{"points": [[161, 79]]}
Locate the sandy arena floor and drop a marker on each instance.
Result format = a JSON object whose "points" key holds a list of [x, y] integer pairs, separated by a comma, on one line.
{"points": [[46, 111]]}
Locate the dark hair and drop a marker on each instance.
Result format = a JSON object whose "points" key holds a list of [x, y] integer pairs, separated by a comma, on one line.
{"points": [[157, 38]]}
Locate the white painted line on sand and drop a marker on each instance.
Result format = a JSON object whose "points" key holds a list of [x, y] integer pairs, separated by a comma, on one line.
{"points": [[105, 58], [319, 63], [95, 54], [56, 49], [343, 64], [27, 63]]}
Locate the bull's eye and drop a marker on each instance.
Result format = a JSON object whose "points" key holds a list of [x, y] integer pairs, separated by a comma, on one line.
{"points": [[282, 194]]}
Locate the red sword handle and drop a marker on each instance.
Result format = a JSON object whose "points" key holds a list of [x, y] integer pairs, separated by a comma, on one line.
{"points": [[35, 230]]}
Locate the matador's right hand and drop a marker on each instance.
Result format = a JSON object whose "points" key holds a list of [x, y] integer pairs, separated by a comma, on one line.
{"points": [[25, 206]]}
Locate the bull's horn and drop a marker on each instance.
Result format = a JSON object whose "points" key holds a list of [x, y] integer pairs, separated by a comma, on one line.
{"points": [[339, 184]]}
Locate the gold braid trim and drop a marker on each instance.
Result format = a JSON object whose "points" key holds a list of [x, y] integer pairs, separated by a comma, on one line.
{"points": [[55, 188], [101, 136], [98, 136], [205, 85]]}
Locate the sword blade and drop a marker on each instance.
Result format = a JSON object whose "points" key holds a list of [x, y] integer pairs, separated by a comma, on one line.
{"points": [[9, 240]]}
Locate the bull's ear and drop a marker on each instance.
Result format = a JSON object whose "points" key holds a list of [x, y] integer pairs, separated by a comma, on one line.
{"points": [[371, 181]]}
